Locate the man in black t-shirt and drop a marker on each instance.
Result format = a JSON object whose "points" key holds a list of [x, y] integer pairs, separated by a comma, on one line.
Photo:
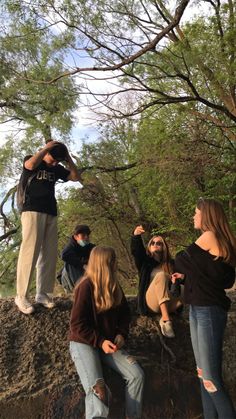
{"points": [[39, 222]]}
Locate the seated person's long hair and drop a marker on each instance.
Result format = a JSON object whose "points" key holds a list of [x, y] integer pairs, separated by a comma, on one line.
{"points": [[102, 272], [166, 262]]}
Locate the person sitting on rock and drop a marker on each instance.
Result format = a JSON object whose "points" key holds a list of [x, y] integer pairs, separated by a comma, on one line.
{"points": [[99, 325], [76, 255], [155, 267]]}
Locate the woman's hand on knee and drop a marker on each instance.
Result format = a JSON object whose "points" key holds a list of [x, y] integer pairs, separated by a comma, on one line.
{"points": [[108, 347]]}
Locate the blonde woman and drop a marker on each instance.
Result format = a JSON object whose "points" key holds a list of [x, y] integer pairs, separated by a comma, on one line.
{"points": [[99, 325], [208, 266], [155, 267]]}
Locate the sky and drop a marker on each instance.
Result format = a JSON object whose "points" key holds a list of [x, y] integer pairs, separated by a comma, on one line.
{"points": [[86, 124]]}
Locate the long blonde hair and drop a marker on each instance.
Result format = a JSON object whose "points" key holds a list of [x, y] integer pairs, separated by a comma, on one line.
{"points": [[101, 271], [214, 219], [166, 263]]}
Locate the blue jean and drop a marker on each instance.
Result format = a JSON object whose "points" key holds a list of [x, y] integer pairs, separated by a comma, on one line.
{"points": [[88, 362], [207, 326]]}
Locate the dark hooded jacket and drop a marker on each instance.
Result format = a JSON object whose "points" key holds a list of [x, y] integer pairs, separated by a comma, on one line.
{"points": [[75, 257]]}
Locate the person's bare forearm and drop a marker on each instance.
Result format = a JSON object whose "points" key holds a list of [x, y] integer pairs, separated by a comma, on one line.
{"points": [[37, 158], [74, 171]]}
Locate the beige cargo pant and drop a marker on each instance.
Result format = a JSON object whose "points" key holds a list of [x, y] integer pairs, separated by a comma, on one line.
{"points": [[38, 249], [158, 293]]}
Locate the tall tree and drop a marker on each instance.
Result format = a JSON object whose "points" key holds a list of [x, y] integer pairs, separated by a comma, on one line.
{"points": [[163, 61], [176, 80]]}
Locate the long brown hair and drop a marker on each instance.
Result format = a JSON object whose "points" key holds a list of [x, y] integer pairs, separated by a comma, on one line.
{"points": [[101, 271], [166, 263], [214, 219]]}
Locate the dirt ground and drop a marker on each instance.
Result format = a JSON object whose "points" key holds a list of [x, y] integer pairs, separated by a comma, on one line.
{"points": [[38, 379]]}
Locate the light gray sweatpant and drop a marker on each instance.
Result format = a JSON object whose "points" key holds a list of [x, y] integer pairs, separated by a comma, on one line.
{"points": [[39, 246]]}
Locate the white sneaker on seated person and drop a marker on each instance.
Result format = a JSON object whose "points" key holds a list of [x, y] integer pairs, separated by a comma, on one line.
{"points": [[166, 328]]}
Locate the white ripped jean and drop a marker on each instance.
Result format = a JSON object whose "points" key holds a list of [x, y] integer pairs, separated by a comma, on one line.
{"points": [[88, 362]]}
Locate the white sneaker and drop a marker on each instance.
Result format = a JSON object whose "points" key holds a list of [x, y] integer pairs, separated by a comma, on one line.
{"points": [[44, 300], [166, 328], [24, 305]]}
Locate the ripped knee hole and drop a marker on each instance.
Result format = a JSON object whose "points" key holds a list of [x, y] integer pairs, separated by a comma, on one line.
{"points": [[101, 391], [209, 386], [199, 372], [131, 360]]}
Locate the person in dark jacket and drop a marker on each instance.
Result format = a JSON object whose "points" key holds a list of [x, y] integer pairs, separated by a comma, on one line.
{"points": [[208, 268], [76, 255], [155, 266], [99, 325]]}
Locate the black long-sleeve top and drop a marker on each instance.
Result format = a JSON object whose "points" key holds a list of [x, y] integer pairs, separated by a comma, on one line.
{"points": [[144, 264], [206, 277], [92, 328]]}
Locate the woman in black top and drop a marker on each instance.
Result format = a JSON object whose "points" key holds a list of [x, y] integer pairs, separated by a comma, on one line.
{"points": [[155, 267], [208, 268]]}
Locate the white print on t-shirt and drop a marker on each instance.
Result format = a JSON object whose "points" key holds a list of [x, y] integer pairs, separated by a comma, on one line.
{"points": [[44, 175]]}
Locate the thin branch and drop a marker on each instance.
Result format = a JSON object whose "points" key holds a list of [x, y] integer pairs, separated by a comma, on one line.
{"points": [[8, 194], [124, 61], [9, 233]]}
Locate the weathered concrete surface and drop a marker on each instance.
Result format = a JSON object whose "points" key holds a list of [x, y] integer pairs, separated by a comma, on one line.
{"points": [[38, 379]]}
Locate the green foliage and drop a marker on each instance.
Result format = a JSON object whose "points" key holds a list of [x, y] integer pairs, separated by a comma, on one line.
{"points": [[182, 145], [29, 51]]}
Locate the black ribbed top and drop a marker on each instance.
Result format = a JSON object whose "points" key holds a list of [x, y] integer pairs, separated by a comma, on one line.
{"points": [[206, 277]]}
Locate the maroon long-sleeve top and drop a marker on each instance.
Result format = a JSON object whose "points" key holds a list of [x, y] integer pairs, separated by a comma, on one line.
{"points": [[92, 328]]}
